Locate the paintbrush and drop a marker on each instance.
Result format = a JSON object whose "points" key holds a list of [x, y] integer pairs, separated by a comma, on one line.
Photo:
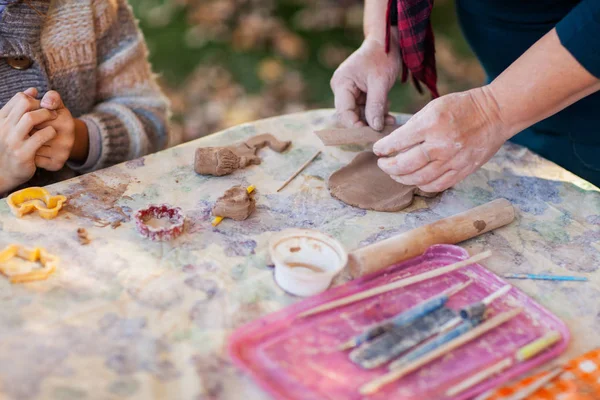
{"points": [[397, 340], [394, 285], [470, 317], [406, 317], [525, 353], [392, 376]]}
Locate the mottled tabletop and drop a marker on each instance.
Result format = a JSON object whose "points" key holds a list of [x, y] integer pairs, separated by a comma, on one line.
{"points": [[127, 318]]}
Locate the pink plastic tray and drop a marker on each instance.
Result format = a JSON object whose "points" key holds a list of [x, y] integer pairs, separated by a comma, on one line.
{"points": [[298, 358]]}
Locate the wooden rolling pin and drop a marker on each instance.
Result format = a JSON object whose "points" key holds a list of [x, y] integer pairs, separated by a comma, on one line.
{"points": [[451, 230]]}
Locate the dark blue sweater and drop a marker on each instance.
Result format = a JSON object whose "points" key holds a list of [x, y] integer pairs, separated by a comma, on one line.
{"points": [[499, 31]]}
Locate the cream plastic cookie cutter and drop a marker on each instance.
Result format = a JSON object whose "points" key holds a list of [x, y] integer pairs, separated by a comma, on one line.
{"points": [[306, 261], [31, 199], [20, 273]]}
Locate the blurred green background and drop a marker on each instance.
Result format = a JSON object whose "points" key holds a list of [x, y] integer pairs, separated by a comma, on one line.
{"points": [[225, 62]]}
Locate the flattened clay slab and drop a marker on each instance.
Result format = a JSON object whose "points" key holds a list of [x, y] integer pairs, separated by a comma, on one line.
{"points": [[219, 161], [364, 185], [362, 135]]}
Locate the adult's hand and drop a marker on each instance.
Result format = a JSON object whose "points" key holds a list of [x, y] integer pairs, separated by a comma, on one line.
{"points": [[446, 141], [361, 85]]}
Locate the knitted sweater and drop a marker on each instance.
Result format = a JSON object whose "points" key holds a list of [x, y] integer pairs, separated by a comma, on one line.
{"points": [[93, 54]]}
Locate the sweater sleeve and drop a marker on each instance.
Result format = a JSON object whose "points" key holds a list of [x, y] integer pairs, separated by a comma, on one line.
{"points": [[579, 33], [130, 118]]}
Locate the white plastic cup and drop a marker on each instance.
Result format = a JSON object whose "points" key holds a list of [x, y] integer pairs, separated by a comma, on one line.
{"points": [[306, 261]]}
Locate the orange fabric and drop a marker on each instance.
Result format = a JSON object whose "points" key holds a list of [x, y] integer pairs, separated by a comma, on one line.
{"points": [[579, 381]]}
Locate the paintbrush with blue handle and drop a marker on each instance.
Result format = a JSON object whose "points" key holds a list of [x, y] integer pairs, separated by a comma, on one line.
{"points": [[405, 317]]}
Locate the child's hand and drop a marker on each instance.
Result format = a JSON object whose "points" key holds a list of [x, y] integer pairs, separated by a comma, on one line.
{"points": [[19, 142], [53, 155]]}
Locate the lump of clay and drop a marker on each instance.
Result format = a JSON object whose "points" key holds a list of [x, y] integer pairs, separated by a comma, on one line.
{"points": [[236, 204], [219, 161], [362, 136], [364, 185]]}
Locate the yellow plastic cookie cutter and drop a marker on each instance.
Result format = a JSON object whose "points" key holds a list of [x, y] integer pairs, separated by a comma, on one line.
{"points": [[28, 200], [19, 272]]}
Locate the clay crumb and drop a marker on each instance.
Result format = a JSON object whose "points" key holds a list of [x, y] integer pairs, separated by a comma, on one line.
{"points": [[295, 249], [115, 224], [82, 234]]}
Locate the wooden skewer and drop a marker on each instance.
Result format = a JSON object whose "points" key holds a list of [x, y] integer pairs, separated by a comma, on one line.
{"points": [[295, 174], [525, 353], [395, 285], [392, 376], [537, 385]]}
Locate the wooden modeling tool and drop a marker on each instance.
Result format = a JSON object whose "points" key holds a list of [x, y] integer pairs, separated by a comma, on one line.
{"points": [[217, 220], [392, 376], [449, 230], [302, 167], [479, 307], [537, 385], [547, 277], [395, 285], [406, 317], [525, 353]]}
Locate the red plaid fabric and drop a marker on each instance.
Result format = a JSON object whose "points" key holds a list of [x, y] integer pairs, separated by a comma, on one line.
{"points": [[416, 41]]}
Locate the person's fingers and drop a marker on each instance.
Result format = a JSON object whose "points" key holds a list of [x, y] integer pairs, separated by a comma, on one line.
{"points": [[405, 163], [375, 108], [44, 151], [52, 100], [346, 93], [19, 105], [390, 120], [44, 163], [445, 181], [33, 144], [425, 175], [401, 139], [33, 92], [34, 118]]}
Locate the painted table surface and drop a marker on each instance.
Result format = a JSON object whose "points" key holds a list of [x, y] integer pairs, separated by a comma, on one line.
{"points": [[126, 318]]}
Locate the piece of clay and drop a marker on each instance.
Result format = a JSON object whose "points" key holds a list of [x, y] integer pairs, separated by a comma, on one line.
{"points": [[219, 161], [160, 222], [364, 185], [363, 135], [236, 204]]}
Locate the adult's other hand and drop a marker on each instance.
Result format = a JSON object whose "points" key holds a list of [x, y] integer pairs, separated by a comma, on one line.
{"points": [[446, 141], [361, 85]]}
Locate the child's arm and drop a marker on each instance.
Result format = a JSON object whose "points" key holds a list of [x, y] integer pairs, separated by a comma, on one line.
{"points": [[131, 115]]}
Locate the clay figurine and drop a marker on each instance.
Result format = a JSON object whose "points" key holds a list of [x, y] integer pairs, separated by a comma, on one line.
{"points": [[236, 204], [219, 161]]}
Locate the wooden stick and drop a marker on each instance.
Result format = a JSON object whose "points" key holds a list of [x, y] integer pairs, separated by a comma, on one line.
{"points": [[479, 377], [295, 174], [395, 285], [392, 376], [537, 385]]}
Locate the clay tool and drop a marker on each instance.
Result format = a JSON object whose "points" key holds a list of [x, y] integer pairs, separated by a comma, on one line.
{"points": [[400, 339], [406, 317], [451, 230], [436, 343], [395, 285], [537, 385], [217, 220], [302, 167], [525, 353], [363, 135], [479, 307], [392, 376], [547, 277]]}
